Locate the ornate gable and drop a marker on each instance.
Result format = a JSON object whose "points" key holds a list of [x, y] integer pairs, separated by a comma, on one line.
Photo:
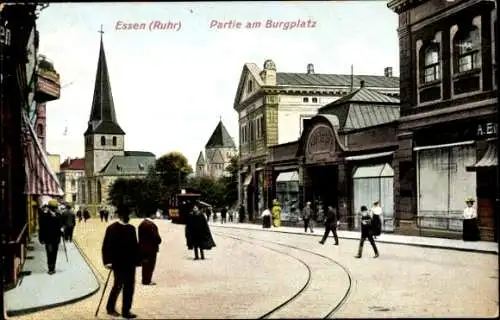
{"points": [[249, 79]]}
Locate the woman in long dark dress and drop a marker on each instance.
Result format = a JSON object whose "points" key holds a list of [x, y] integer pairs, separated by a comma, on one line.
{"points": [[198, 235], [470, 227], [266, 219]]}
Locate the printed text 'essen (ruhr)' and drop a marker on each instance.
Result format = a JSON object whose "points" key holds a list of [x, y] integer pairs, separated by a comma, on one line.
{"points": [[154, 25]]}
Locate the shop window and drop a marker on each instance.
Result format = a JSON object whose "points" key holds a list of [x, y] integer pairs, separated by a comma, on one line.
{"points": [[103, 141], [467, 49], [431, 71], [115, 140]]}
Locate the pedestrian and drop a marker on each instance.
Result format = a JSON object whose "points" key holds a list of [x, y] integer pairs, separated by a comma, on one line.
{"points": [[377, 216], [276, 213], [79, 215], [366, 231], [86, 215], [149, 244], [241, 214], [208, 213], [120, 253], [223, 215], [69, 222], [230, 213], [266, 218], [470, 228], [331, 220], [215, 216], [50, 232], [101, 214], [307, 216], [198, 235], [106, 215]]}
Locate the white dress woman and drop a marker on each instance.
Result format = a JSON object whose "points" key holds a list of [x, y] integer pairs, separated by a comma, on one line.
{"points": [[266, 218], [470, 228], [376, 213]]}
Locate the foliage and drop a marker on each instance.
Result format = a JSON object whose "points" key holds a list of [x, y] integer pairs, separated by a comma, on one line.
{"points": [[212, 191], [173, 169], [230, 182]]}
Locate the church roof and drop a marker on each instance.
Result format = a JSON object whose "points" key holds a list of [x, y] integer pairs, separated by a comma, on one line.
{"points": [[201, 159], [128, 165], [220, 138], [217, 157], [102, 115], [140, 153]]}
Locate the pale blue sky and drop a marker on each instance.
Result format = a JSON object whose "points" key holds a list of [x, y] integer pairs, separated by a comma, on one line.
{"points": [[171, 87]]}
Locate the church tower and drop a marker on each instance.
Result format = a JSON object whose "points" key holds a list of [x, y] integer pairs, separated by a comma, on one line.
{"points": [[103, 138]]}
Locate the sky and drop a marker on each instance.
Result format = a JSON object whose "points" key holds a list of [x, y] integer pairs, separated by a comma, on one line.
{"points": [[171, 87]]}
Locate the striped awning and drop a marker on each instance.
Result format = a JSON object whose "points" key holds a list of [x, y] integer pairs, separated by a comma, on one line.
{"points": [[40, 179], [489, 160]]}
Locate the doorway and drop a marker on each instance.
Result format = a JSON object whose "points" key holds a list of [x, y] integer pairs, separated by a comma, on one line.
{"points": [[324, 191]]}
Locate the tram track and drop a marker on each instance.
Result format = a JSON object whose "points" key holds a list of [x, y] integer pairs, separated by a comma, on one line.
{"points": [[307, 294]]}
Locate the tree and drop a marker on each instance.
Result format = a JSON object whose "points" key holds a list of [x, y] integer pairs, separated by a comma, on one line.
{"points": [[229, 182], [212, 191], [173, 170]]}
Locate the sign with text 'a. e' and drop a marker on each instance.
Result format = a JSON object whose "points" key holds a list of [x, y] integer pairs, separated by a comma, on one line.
{"points": [[487, 129]]}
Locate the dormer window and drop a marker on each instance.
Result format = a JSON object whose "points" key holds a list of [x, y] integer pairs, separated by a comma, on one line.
{"points": [[103, 141], [467, 48], [431, 64]]}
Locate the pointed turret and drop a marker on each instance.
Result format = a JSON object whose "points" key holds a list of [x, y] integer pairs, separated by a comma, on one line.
{"points": [[102, 115], [220, 138], [201, 159]]}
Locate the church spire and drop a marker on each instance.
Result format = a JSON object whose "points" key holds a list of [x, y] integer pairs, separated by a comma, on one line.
{"points": [[103, 115]]}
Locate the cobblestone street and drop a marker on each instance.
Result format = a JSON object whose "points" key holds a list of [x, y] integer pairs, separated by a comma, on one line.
{"points": [[250, 273]]}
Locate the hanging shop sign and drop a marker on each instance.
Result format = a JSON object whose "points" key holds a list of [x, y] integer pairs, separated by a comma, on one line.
{"points": [[487, 129]]}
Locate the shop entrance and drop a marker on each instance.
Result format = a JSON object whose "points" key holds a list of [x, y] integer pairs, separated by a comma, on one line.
{"points": [[323, 189]]}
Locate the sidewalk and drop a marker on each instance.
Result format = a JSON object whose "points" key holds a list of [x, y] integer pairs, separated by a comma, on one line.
{"points": [[438, 243], [73, 281]]}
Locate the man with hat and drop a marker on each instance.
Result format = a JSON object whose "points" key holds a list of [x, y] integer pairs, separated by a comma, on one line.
{"points": [[307, 215], [50, 232], [120, 252], [470, 228]]}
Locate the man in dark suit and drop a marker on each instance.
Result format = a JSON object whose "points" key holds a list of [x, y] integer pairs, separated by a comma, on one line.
{"points": [[120, 252], [50, 232], [331, 225], [149, 243], [69, 221]]}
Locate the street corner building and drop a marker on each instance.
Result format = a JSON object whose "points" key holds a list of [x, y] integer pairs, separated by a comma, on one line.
{"points": [[105, 157], [274, 108], [447, 133], [219, 150], [26, 174]]}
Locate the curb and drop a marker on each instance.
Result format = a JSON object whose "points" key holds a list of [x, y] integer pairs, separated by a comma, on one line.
{"points": [[20, 312], [422, 245]]}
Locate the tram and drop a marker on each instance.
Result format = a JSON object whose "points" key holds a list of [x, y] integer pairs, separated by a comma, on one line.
{"points": [[181, 204]]}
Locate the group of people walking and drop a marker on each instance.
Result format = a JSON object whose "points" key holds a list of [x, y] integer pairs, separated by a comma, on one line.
{"points": [[272, 217]]}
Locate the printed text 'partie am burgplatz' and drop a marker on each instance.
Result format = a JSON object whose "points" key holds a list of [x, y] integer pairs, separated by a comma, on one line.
{"points": [[171, 25]]}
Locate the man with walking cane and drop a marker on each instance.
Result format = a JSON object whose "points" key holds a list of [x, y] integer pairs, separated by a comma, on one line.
{"points": [[120, 253], [49, 234]]}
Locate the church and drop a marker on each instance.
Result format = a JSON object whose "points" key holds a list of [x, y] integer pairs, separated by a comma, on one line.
{"points": [[219, 150], [105, 157]]}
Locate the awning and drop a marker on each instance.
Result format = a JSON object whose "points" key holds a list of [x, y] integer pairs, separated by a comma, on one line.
{"points": [[288, 176], [376, 171], [448, 145], [490, 159], [40, 179], [248, 179], [369, 156]]}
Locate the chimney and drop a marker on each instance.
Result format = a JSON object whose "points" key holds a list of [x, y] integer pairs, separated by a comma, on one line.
{"points": [[310, 68], [388, 72], [362, 83]]}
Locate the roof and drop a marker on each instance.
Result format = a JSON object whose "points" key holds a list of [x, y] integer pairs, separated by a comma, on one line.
{"points": [[128, 165], [363, 108], [201, 159], [73, 164], [140, 153], [344, 80], [217, 157], [220, 138], [102, 115]]}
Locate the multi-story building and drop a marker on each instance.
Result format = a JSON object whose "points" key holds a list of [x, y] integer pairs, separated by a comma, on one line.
{"points": [[448, 128], [219, 150], [105, 157], [71, 170], [274, 107]]}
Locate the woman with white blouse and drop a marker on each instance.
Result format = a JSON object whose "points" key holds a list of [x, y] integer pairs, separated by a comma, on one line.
{"points": [[470, 227]]}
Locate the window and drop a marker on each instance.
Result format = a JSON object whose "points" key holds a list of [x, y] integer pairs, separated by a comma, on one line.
{"points": [[115, 140], [103, 141], [73, 183], [73, 198], [315, 100], [467, 49], [89, 190], [250, 86], [431, 64], [262, 126], [99, 192], [305, 99]]}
